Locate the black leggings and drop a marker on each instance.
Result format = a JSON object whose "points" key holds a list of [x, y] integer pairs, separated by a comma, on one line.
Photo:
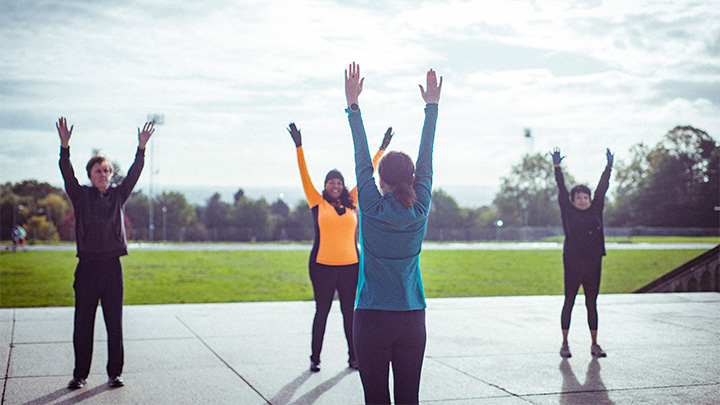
{"points": [[384, 337], [585, 272], [325, 280], [98, 280]]}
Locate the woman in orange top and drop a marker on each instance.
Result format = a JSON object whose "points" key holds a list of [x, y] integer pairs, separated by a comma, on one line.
{"points": [[334, 257]]}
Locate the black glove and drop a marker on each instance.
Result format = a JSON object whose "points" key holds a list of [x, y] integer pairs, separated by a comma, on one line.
{"points": [[610, 158], [386, 141], [295, 133], [556, 156]]}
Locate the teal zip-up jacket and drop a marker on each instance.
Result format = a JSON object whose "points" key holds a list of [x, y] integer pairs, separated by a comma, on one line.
{"points": [[391, 235]]}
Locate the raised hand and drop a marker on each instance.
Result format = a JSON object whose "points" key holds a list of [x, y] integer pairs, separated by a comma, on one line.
{"points": [[386, 140], [295, 134], [432, 94], [145, 134], [610, 157], [63, 132], [353, 84], [556, 156]]}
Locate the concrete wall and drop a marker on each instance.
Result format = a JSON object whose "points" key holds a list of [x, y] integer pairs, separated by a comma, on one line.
{"points": [[699, 274]]}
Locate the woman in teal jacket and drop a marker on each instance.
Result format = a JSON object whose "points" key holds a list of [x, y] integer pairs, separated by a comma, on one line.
{"points": [[389, 322]]}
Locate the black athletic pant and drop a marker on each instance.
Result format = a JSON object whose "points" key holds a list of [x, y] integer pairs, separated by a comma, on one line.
{"points": [[585, 272], [98, 280], [385, 337], [325, 280]]}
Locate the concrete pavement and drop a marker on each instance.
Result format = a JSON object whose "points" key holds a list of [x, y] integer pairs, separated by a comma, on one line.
{"points": [[662, 349]]}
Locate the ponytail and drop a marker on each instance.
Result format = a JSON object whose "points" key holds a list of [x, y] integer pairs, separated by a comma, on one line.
{"points": [[397, 170], [405, 194]]}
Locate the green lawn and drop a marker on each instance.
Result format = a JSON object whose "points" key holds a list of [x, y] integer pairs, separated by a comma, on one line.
{"points": [[647, 239], [39, 278]]}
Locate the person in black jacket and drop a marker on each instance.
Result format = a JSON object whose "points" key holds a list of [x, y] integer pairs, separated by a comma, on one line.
{"points": [[100, 238], [584, 247]]}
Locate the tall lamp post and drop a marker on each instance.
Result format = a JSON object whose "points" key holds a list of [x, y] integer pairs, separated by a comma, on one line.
{"points": [[529, 141], [164, 231], [156, 119]]}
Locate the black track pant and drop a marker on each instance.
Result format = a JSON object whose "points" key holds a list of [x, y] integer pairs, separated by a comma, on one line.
{"points": [[98, 280], [385, 337], [325, 280], [585, 272]]}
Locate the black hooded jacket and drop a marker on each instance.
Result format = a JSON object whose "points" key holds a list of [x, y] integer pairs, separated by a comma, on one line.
{"points": [[584, 234], [99, 218]]}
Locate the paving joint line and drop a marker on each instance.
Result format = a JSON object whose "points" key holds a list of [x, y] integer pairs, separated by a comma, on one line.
{"points": [[222, 360], [518, 396], [7, 368]]}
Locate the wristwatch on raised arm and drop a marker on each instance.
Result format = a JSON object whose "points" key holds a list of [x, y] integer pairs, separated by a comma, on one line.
{"points": [[354, 107]]}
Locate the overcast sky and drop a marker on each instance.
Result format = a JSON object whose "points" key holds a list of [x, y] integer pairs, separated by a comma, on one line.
{"points": [[229, 76]]}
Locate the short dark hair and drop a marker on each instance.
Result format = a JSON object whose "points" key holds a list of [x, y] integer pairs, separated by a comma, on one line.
{"points": [[98, 159], [579, 189]]}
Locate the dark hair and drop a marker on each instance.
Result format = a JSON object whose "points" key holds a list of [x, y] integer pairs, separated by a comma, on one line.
{"points": [[98, 159], [397, 170], [579, 189], [345, 198]]}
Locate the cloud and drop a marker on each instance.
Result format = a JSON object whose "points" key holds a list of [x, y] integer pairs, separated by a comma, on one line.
{"points": [[230, 75]]}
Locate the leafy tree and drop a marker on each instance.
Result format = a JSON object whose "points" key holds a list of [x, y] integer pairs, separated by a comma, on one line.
{"points": [[279, 208], [528, 196], [215, 215], [180, 220], [118, 174], [137, 210], [299, 223], [239, 195], [20, 201], [279, 219], [251, 219], [674, 184], [446, 220], [55, 207], [38, 228]]}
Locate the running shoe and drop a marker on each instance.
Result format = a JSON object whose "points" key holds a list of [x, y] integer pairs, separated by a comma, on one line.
{"points": [[116, 382], [597, 351], [314, 367], [77, 383], [565, 351]]}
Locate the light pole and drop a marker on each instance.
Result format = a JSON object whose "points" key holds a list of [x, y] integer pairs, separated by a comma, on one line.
{"points": [[156, 119], [529, 141], [164, 210], [498, 224]]}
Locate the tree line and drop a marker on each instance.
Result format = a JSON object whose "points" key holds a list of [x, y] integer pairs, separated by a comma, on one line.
{"points": [[675, 183]]}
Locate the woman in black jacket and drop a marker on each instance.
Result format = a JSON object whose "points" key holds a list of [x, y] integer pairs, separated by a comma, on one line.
{"points": [[584, 247]]}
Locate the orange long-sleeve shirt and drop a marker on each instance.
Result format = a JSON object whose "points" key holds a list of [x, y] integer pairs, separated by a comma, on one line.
{"points": [[335, 243]]}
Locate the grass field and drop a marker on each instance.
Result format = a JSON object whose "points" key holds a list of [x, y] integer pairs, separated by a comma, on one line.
{"points": [[647, 239], [44, 278]]}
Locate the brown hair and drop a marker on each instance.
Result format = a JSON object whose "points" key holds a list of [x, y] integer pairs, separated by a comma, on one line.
{"points": [[579, 189], [98, 159], [397, 170]]}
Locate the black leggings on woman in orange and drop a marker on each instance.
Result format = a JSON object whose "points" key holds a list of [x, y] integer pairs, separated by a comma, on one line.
{"points": [[326, 280]]}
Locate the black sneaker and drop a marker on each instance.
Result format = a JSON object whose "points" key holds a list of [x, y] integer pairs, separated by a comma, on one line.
{"points": [[353, 364], [77, 383], [314, 367], [115, 382]]}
